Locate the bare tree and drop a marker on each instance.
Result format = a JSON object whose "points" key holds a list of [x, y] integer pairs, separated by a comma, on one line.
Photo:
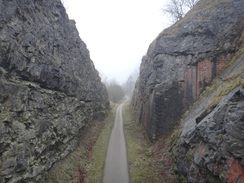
{"points": [[129, 86], [177, 9], [130, 83], [191, 3]]}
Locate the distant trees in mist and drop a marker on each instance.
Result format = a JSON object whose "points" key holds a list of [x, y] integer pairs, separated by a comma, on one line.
{"points": [[117, 92]]}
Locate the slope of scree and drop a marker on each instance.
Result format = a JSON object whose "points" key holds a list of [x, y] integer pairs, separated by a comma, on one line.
{"points": [[49, 88], [182, 61]]}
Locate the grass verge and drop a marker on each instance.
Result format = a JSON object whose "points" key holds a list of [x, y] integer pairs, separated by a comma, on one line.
{"points": [[140, 163], [148, 162], [85, 164]]}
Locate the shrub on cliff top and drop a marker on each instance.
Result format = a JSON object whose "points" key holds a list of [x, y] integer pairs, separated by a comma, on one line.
{"points": [[177, 9]]}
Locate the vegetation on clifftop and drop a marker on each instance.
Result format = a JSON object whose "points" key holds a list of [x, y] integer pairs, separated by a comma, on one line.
{"points": [[206, 6]]}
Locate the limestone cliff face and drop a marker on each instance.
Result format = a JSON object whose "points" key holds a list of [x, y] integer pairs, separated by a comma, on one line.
{"points": [[49, 88], [183, 60]]}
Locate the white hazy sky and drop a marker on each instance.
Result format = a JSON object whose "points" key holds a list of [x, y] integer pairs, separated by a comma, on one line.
{"points": [[117, 32]]}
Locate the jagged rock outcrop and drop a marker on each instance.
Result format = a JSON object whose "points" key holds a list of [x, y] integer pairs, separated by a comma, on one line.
{"points": [[211, 145], [49, 88], [183, 60], [216, 144]]}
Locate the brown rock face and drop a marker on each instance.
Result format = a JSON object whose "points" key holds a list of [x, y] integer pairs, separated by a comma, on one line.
{"points": [[49, 88], [198, 77]]}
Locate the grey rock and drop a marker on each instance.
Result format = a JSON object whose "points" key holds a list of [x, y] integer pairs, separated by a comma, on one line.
{"points": [[49, 88], [178, 66], [218, 140], [183, 60]]}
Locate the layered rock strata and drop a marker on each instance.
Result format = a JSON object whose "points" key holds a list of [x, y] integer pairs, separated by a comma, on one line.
{"points": [[183, 60], [49, 88]]}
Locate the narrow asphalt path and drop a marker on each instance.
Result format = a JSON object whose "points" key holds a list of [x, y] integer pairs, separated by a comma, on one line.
{"points": [[116, 166]]}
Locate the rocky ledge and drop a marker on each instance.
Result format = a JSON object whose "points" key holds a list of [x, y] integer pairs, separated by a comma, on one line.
{"points": [[214, 150]]}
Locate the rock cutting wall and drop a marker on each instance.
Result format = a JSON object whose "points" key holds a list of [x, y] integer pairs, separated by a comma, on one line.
{"points": [[215, 146], [49, 88], [183, 60], [211, 146]]}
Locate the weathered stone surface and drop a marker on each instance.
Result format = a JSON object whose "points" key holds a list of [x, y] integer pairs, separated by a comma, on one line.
{"points": [[211, 145], [49, 88], [183, 60], [215, 146], [180, 64]]}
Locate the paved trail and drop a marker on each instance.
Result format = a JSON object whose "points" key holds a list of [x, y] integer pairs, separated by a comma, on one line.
{"points": [[116, 166]]}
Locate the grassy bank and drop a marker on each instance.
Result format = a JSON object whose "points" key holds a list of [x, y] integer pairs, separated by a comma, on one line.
{"points": [[147, 162], [141, 168], [86, 163]]}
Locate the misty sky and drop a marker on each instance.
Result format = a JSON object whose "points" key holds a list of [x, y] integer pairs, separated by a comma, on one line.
{"points": [[117, 32]]}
